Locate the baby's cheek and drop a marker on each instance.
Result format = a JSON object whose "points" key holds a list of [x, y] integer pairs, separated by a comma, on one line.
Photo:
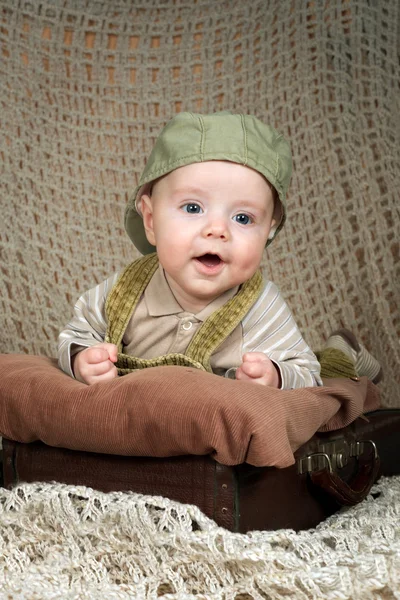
{"points": [[251, 257]]}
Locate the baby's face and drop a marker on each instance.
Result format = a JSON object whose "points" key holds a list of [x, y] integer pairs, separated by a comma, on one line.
{"points": [[209, 222]]}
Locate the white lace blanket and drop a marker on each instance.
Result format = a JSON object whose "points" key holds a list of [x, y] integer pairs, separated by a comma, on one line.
{"points": [[65, 542]]}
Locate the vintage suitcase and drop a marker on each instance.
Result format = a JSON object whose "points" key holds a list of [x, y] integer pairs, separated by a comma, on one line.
{"points": [[332, 470]]}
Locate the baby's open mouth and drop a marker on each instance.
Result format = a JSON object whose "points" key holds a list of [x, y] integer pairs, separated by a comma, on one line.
{"points": [[209, 260]]}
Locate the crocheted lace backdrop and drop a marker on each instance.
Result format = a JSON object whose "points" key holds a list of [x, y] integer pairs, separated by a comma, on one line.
{"points": [[85, 87], [62, 542]]}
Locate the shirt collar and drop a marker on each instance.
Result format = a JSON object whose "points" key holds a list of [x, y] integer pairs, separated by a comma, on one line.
{"points": [[161, 302]]}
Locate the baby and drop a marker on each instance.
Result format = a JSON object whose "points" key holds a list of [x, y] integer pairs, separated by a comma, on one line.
{"points": [[210, 199]]}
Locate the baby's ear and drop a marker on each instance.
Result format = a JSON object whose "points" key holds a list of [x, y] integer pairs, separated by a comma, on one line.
{"points": [[146, 210], [276, 217], [272, 229]]}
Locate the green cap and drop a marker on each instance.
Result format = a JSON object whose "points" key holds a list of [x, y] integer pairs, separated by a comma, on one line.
{"points": [[192, 138]]}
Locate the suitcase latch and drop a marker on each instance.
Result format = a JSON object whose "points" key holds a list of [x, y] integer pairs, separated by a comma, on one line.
{"points": [[333, 455]]}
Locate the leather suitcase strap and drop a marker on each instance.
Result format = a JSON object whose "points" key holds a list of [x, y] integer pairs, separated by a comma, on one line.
{"points": [[348, 494]]}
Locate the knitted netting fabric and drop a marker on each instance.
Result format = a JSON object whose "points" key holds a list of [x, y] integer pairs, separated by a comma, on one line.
{"points": [[73, 542], [86, 86]]}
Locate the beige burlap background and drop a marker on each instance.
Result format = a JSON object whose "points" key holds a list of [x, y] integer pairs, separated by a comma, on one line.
{"points": [[85, 87]]}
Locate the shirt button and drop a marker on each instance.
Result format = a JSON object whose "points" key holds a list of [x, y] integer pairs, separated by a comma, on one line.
{"points": [[231, 373], [188, 325]]}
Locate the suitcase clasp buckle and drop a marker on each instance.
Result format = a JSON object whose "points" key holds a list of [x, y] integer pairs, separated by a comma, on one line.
{"points": [[314, 462], [357, 448], [334, 455]]}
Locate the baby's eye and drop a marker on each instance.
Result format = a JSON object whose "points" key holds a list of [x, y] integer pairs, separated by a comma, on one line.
{"points": [[243, 219], [192, 208]]}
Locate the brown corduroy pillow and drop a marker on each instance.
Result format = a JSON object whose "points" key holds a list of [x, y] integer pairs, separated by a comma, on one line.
{"points": [[167, 411]]}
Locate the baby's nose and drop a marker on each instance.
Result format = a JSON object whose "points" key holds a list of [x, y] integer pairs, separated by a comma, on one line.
{"points": [[217, 228]]}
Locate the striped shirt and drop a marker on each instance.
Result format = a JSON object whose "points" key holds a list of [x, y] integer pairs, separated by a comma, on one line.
{"points": [[160, 326]]}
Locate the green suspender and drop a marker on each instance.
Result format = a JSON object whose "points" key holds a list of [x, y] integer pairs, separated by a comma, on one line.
{"points": [[126, 294]]}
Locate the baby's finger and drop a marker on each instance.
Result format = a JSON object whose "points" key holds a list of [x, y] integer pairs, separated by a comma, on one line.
{"points": [[240, 375], [111, 374], [99, 368], [254, 357], [96, 354], [254, 369], [112, 351]]}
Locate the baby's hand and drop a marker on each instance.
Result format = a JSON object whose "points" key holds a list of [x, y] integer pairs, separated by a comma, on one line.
{"points": [[258, 368], [95, 364]]}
